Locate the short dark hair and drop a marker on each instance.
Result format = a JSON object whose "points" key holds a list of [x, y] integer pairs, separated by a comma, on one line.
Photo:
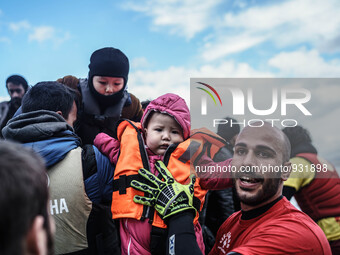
{"points": [[145, 103], [17, 80], [228, 131], [23, 195], [297, 135], [51, 96]]}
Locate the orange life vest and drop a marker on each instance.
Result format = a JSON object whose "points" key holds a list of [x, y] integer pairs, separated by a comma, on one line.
{"points": [[132, 157], [203, 141]]}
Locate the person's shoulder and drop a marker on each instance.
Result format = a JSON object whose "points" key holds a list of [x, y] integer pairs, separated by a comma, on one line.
{"points": [[294, 222], [299, 160], [134, 110], [3, 103], [135, 102], [3, 107], [133, 97], [289, 226]]}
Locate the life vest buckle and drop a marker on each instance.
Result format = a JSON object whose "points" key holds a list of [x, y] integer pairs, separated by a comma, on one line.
{"points": [[122, 184]]}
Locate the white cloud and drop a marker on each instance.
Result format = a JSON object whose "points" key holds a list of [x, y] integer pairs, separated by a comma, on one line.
{"points": [[283, 23], [290, 22], [328, 95], [183, 17], [7, 98], [4, 39], [240, 3], [42, 33], [57, 40], [141, 62], [17, 26], [228, 45], [151, 84], [303, 63], [39, 33]]}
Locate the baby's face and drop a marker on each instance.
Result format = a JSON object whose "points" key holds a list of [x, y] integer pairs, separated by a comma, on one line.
{"points": [[162, 131]]}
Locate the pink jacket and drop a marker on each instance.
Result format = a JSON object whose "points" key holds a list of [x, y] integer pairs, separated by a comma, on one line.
{"points": [[172, 105], [215, 180]]}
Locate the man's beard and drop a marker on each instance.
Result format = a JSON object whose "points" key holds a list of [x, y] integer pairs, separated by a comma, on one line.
{"points": [[269, 189]]}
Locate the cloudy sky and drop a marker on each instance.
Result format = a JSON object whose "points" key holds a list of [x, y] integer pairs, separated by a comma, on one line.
{"points": [[169, 41]]}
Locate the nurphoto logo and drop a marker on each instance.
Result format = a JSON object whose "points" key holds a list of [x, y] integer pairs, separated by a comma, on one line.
{"points": [[262, 104], [204, 98]]}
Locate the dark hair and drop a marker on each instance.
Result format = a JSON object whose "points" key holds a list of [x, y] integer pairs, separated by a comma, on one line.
{"points": [[145, 103], [51, 96], [17, 80], [286, 152], [228, 131], [297, 135], [23, 195]]}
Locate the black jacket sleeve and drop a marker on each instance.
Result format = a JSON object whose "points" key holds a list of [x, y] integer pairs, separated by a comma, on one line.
{"points": [[181, 235]]}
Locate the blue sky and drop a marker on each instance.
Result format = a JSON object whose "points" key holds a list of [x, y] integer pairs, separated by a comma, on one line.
{"points": [[170, 41]]}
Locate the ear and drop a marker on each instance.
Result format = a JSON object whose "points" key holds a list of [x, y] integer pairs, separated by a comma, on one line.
{"points": [[287, 168], [36, 240], [60, 113]]}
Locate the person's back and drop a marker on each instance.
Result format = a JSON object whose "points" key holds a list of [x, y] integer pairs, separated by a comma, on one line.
{"points": [[315, 185], [104, 93], [46, 126]]}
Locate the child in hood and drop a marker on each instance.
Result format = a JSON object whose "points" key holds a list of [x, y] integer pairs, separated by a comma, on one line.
{"points": [[165, 121]]}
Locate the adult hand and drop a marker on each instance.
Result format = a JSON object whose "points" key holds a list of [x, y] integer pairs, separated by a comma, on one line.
{"points": [[169, 197]]}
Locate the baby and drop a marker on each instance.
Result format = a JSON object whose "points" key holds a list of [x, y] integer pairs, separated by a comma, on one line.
{"points": [[165, 122]]}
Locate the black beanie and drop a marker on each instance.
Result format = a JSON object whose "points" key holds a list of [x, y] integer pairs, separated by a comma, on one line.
{"points": [[109, 62], [228, 131]]}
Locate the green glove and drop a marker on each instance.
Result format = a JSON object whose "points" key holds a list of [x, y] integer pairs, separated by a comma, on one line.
{"points": [[168, 197]]}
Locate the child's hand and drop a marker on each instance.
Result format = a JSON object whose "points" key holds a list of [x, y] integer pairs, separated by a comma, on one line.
{"points": [[168, 197]]}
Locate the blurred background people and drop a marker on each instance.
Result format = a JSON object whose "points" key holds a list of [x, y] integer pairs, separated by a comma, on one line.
{"points": [[315, 184], [16, 86]]}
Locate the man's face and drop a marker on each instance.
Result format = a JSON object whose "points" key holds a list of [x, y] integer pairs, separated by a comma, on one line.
{"points": [[15, 91], [255, 148]]}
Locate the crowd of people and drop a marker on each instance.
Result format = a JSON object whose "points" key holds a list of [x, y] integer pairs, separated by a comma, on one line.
{"points": [[86, 168]]}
